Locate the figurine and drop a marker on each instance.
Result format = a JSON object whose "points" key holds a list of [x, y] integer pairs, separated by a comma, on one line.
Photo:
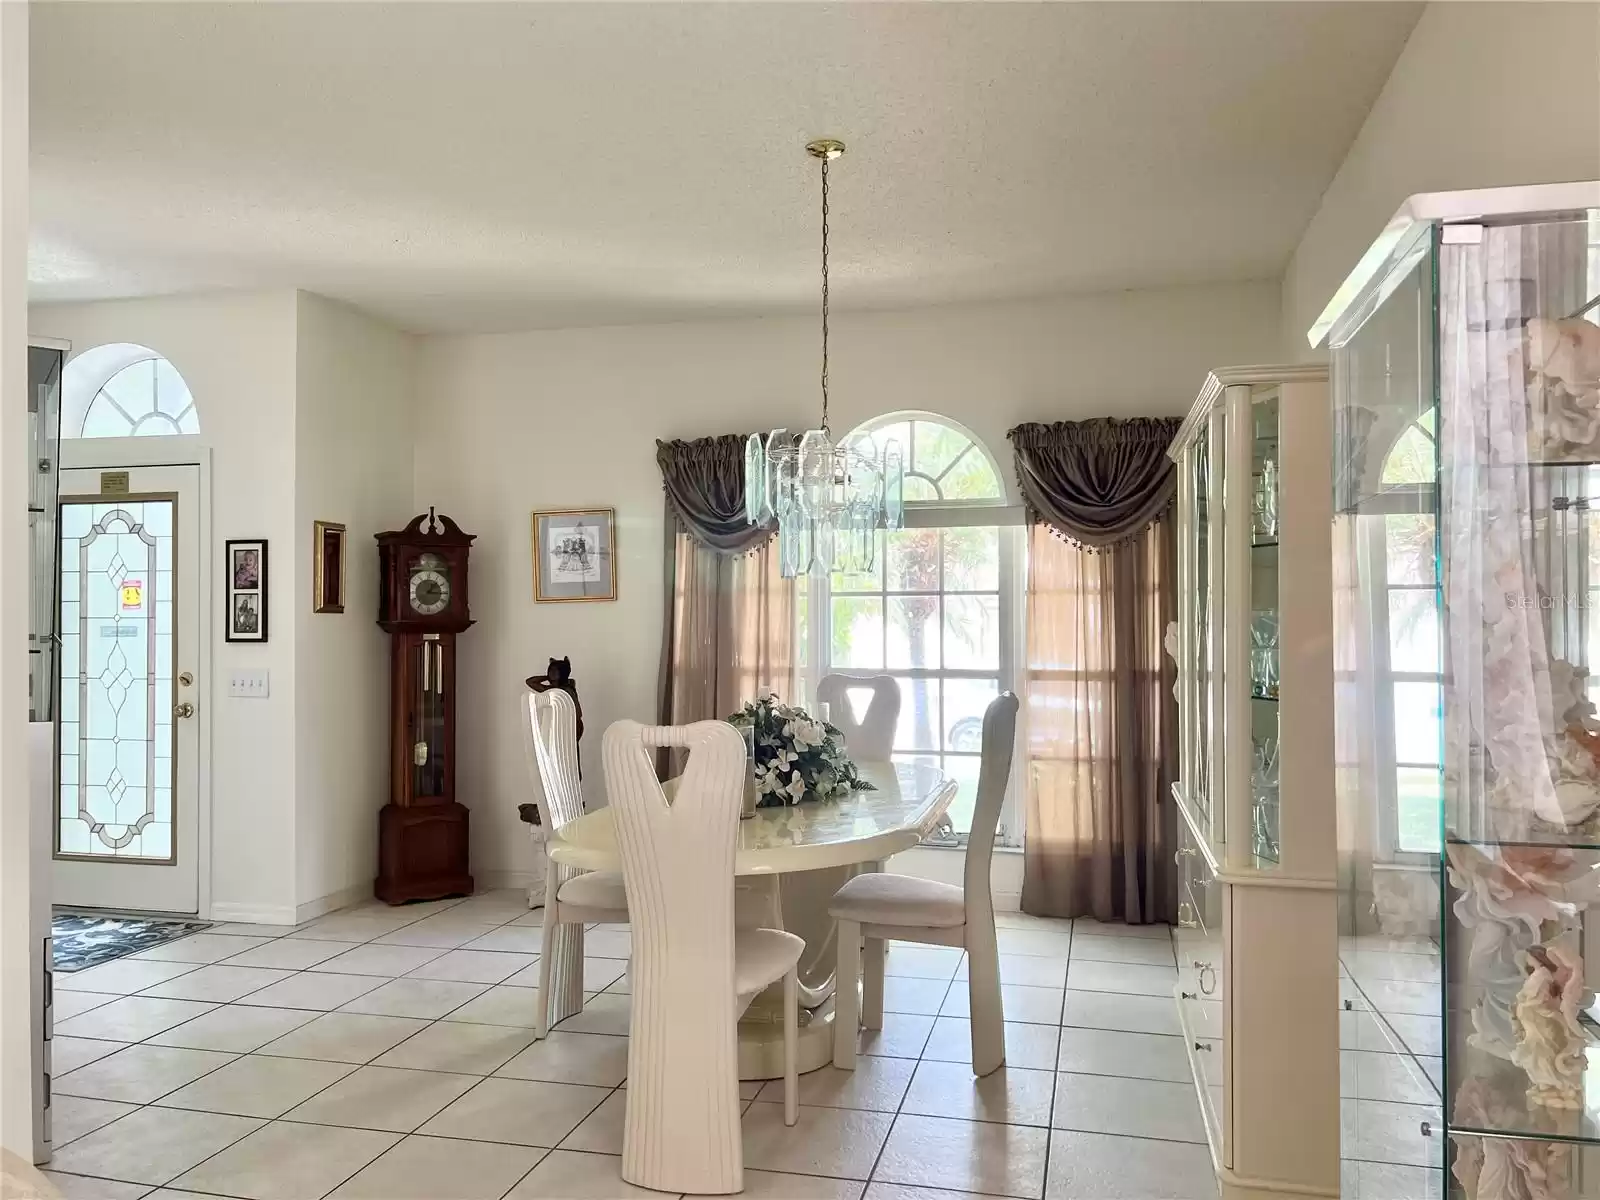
{"points": [[1550, 1042], [559, 676], [1567, 351]]}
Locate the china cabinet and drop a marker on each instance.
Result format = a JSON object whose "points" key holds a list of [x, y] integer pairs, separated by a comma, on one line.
{"points": [[1257, 918], [1465, 356]]}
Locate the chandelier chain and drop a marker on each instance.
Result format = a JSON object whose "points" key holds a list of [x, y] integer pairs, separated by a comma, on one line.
{"points": [[824, 295]]}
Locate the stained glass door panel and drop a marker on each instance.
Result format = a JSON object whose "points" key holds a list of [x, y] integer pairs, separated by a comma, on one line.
{"points": [[127, 741]]}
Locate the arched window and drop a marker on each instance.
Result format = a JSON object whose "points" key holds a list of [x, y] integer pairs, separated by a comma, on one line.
{"points": [[936, 610], [944, 463], [1401, 545], [124, 390]]}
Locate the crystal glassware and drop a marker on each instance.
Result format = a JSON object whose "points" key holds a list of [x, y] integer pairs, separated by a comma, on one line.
{"points": [[1264, 654]]}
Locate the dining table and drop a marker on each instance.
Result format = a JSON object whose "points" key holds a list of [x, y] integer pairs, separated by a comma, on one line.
{"points": [[790, 861]]}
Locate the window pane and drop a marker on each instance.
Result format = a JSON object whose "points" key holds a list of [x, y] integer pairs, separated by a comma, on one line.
{"points": [[857, 632], [965, 772], [1414, 631], [918, 728], [913, 560], [972, 478], [913, 632], [1411, 460], [935, 447], [1418, 801], [1408, 547], [861, 581], [1417, 722], [965, 701], [972, 632], [919, 489], [972, 559]]}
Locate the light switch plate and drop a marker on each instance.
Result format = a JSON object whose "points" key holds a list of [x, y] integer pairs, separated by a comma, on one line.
{"points": [[249, 685]]}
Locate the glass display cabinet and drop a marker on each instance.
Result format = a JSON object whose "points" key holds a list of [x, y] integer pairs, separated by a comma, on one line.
{"points": [[1254, 788], [1466, 395]]}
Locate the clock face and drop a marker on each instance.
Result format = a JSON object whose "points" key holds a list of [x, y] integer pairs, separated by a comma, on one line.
{"points": [[429, 591]]}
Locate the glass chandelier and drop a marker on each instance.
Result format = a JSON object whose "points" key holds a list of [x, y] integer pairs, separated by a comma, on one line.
{"points": [[829, 498]]}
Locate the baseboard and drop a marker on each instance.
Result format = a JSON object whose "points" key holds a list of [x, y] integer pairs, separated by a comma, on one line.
{"points": [[490, 881], [332, 902], [223, 913], [1007, 901], [283, 914]]}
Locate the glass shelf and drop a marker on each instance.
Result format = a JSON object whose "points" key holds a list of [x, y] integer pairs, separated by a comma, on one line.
{"points": [[1263, 697], [1495, 1092], [1263, 545]]}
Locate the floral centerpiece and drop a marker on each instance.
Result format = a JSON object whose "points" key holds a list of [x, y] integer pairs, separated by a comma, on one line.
{"points": [[798, 757]]}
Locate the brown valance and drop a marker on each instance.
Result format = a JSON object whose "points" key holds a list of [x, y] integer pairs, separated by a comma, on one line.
{"points": [[1098, 482], [704, 482]]}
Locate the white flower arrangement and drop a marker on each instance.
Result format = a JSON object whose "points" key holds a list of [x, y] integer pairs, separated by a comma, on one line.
{"points": [[798, 757]]}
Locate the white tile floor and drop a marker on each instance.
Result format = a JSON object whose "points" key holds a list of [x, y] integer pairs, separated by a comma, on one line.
{"points": [[389, 1053]]}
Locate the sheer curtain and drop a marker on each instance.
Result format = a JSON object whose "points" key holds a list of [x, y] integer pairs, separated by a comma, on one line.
{"points": [[1100, 715], [728, 625], [730, 630]]}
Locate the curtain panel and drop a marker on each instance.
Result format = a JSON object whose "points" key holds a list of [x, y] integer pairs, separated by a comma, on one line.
{"points": [[1100, 715], [728, 627]]}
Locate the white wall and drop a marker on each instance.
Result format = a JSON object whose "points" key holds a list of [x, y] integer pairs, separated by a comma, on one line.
{"points": [[1483, 95], [24, 905], [236, 351], [565, 419], [353, 446]]}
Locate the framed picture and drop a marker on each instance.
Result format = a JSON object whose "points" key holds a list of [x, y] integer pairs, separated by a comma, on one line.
{"points": [[574, 555], [245, 561], [327, 567]]}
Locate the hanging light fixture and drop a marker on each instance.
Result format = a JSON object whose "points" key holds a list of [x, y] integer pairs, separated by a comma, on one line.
{"points": [[829, 498]]}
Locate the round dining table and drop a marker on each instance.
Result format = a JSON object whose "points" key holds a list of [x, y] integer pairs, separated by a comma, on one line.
{"points": [[790, 861]]}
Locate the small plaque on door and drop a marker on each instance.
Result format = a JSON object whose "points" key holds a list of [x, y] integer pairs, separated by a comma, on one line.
{"points": [[113, 483]]}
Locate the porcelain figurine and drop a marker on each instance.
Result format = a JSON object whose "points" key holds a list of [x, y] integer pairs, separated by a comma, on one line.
{"points": [[1550, 1043], [1504, 1168], [1567, 351]]}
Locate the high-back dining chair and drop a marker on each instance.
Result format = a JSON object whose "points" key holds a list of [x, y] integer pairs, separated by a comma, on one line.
{"points": [[572, 898], [693, 974], [903, 908], [871, 738]]}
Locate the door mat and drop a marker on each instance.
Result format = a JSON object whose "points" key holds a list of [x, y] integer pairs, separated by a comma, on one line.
{"points": [[82, 940]]}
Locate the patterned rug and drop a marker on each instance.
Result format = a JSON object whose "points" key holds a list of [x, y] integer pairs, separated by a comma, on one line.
{"points": [[82, 940]]}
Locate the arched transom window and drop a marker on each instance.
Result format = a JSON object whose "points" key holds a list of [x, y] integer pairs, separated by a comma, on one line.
{"points": [[124, 390]]}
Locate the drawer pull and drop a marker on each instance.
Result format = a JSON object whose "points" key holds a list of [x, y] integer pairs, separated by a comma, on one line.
{"points": [[1189, 995], [1202, 1045], [1186, 917], [1185, 852], [1210, 987]]}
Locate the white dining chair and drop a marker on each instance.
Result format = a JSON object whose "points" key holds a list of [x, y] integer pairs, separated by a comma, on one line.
{"points": [[572, 898], [693, 972], [887, 907], [869, 738]]}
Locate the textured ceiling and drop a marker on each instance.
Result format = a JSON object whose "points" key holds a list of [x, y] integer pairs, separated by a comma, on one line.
{"points": [[463, 166]]}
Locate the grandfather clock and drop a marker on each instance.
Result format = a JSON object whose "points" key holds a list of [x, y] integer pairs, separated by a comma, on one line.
{"points": [[422, 604]]}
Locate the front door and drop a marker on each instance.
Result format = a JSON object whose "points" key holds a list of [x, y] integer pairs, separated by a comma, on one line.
{"points": [[129, 738]]}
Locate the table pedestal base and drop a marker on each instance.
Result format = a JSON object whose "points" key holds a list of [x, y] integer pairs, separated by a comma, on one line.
{"points": [[761, 1042]]}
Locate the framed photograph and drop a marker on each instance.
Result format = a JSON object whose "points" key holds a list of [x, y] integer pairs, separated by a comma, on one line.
{"points": [[327, 567], [245, 586], [574, 555]]}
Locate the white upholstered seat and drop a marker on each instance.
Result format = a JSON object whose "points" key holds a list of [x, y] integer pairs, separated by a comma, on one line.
{"points": [[887, 899], [597, 889], [883, 907], [572, 898], [762, 955]]}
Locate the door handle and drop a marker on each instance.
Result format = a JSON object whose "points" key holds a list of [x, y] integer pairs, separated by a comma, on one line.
{"points": [[183, 711]]}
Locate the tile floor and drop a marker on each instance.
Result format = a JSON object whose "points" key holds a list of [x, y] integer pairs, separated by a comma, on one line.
{"points": [[389, 1054], [1390, 1071]]}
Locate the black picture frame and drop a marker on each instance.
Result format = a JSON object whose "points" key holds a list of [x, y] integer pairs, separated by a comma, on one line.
{"points": [[244, 589]]}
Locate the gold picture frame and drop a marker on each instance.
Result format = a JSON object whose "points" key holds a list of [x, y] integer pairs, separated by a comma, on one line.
{"points": [[574, 555], [328, 561]]}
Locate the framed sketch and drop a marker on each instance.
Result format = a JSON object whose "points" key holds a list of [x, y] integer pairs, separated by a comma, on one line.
{"points": [[245, 562], [574, 555], [327, 567]]}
